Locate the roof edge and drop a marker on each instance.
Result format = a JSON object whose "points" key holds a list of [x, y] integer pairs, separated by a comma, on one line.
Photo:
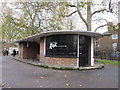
{"points": [[55, 32]]}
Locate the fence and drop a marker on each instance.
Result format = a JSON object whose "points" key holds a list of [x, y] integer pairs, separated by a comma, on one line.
{"points": [[108, 55]]}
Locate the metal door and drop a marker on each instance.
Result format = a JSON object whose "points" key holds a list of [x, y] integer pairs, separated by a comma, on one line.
{"points": [[84, 50]]}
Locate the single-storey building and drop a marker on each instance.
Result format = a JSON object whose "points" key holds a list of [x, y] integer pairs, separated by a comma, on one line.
{"points": [[63, 48]]}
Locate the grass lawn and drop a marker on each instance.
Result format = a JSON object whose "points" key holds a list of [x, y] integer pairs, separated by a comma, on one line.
{"points": [[108, 62]]}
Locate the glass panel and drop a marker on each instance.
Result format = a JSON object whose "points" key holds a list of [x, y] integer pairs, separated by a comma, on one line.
{"points": [[61, 46], [115, 36], [114, 46]]}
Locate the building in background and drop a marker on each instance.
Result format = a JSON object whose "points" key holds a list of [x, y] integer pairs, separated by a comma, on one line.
{"points": [[108, 47], [108, 42]]}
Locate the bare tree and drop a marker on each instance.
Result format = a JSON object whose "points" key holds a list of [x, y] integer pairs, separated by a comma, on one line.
{"points": [[89, 8]]}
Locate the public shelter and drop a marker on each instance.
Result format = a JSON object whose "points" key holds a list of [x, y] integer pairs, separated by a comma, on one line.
{"points": [[63, 48]]}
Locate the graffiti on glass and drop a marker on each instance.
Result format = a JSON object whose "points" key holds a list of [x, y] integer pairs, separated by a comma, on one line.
{"points": [[54, 44]]}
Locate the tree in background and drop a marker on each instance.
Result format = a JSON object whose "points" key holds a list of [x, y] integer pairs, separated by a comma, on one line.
{"points": [[9, 29], [92, 11], [23, 19]]}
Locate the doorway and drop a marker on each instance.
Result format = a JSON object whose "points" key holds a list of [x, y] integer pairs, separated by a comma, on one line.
{"points": [[84, 50]]}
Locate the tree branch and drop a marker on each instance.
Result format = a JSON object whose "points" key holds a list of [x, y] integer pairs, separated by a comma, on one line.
{"points": [[102, 10], [69, 14], [70, 5], [80, 14], [13, 21], [101, 20], [100, 27], [110, 7]]}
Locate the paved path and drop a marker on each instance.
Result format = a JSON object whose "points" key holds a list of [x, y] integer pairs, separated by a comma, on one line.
{"points": [[16, 74]]}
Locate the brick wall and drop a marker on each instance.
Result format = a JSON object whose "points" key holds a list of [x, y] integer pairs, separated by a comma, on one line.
{"points": [[30, 52], [106, 42], [20, 50], [23, 50], [55, 61]]}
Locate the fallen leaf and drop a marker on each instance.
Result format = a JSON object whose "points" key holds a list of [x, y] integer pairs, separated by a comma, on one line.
{"points": [[80, 85], [41, 86], [41, 77], [2, 85], [65, 75], [68, 84]]}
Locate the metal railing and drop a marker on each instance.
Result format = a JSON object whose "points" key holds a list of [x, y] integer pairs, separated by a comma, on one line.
{"points": [[107, 55]]}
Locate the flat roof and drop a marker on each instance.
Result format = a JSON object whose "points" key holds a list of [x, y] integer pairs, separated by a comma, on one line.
{"points": [[36, 37]]}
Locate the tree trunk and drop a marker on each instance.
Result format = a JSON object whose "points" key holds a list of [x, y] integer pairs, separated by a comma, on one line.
{"points": [[89, 15]]}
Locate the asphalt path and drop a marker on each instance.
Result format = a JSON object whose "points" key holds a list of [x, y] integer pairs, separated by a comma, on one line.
{"points": [[16, 74]]}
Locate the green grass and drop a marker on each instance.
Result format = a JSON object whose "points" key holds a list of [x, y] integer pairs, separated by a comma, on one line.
{"points": [[42, 65], [109, 62]]}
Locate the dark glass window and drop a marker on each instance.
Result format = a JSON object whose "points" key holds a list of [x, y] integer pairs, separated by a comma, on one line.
{"points": [[84, 50], [61, 46]]}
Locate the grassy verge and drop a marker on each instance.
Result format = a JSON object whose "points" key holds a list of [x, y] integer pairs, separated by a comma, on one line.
{"points": [[108, 62]]}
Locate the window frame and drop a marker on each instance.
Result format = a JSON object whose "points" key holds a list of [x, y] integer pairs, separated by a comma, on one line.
{"points": [[114, 36], [60, 39], [114, 47]]}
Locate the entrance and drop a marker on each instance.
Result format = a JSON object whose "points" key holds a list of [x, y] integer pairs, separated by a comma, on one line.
{"points": [[84, 50]]}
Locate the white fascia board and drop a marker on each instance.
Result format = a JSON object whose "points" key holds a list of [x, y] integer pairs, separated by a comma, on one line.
{"points": [[92, 51], [44, 46]]}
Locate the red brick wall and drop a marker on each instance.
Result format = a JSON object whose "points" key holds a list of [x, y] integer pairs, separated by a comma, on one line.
{"points": [[20, 50], [29, 52], [55, 61], [23, 50], [106, 42]]}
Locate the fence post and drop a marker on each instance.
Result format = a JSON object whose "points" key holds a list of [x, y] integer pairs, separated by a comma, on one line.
{"points": [[110, 54]]}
